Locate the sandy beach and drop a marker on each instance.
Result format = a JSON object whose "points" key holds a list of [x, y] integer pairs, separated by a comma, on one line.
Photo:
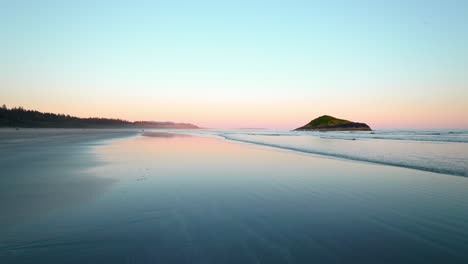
{"points": [[119, 196], [45, 169]]}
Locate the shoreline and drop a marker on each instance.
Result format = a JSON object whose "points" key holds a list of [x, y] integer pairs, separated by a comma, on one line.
{"points": [[445, 157]]}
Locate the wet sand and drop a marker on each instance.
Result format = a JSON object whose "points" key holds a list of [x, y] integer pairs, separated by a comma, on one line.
{"points": [[43, 170], [178, 199]]}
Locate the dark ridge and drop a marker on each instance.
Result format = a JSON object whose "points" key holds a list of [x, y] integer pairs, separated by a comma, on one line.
{"points": [[20, 117]]}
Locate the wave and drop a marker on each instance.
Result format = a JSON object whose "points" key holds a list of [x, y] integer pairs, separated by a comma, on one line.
{"points": [[436, 136], [448, 140], [453, 171], [439, 151]]}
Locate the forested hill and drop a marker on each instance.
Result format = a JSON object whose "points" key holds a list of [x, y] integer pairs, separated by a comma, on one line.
{"points": [[20, 117], [330, 123]]}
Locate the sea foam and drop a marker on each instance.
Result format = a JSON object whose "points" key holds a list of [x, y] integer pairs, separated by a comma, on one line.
{"points": [[441, 151]]}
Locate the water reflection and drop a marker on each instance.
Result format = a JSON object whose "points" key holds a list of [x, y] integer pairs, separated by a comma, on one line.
{"points": [[163, 134], [42, 171], [200, 200]]}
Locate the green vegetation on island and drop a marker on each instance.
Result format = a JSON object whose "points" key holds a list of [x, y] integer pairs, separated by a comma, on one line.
{"points": [[330, 123]]}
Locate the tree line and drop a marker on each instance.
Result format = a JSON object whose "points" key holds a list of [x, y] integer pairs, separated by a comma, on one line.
{"points": [[20, 117]]}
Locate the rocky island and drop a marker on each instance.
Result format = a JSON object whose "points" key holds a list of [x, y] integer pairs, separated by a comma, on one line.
{"points": [[330, 123]]}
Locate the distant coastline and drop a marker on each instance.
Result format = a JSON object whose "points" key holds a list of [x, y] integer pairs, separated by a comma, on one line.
{"points": [[22, 118]]}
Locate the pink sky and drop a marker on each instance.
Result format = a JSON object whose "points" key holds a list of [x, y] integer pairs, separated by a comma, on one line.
{"points": [[284, 114]]}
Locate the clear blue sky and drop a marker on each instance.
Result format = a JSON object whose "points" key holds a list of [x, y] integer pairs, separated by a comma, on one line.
{"points": [[239, 63]]}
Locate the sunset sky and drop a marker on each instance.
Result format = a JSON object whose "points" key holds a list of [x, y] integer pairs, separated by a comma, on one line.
{"points": [[232, 64]]}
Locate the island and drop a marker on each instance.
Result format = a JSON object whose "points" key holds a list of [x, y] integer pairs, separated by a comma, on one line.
{"points": [[330, 123]]}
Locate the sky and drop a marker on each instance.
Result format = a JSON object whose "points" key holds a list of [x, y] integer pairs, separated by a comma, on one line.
{"points": [[236, 64]]}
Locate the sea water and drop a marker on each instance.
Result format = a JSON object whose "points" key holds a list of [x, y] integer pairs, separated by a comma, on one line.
{"points": [[441, 151]]}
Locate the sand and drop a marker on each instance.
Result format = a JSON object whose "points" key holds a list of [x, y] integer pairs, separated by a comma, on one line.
{"points": [[45, 169], [162, 198]]}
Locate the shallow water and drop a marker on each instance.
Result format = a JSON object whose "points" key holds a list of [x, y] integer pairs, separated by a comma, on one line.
{"points": [[201, 200], [441, 151]]}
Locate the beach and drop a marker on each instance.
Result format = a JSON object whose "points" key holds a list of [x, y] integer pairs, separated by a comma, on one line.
{"points": [[45, 169], [122, 196]]}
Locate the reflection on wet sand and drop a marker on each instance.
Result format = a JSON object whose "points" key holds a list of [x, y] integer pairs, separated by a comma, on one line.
{"points": [[201, 200], [163, 134], [46, 170]]}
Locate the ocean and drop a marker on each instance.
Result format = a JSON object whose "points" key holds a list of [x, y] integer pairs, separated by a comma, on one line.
{"points": [[441, 151]]}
